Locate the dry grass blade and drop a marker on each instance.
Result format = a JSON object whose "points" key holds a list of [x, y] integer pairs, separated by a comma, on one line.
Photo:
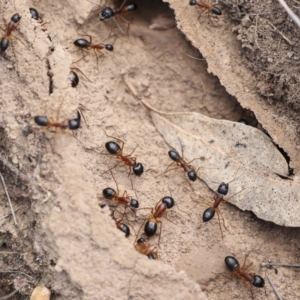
{"points": [[12, 293], [274, 289], [290, 12], [8, 198]]}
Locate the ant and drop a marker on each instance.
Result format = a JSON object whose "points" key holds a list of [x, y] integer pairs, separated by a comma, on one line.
{"points": [[180, 163], [209, 213], [35, 15], [11, 26], [206, 7], [108, 12], [122, 226], [144, 247], [114, 148], [237, 271], [125, 199], [74, 77], [158, 212], [83, 43], [71, 124]]}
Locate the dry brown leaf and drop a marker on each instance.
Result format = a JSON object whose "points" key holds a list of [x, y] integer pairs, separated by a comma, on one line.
{"points": [[230, 150]]}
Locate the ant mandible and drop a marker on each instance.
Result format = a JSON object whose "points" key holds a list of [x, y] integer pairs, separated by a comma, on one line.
{"points": [[209, 213], [180, 163], [145, 248], [125, 199], [85, 44], [206, 7], [11, 26], [114, 148], [237, 271], [158, 212]]}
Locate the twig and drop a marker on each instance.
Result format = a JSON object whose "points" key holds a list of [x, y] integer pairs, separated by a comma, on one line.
{"points": [[269, 264], [290, 12], [14, 169], [283, 36], [18, 272], [12, 293], [274, 289], [8, 198], [10, 213]]}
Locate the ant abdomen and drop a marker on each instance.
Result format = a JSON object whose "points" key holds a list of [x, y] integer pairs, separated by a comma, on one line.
{"points": [[109, 47], [258, 281], [150, 228], [192, 175], [109, 193], [4, 44], [138, 170], [208, 214], [193, 2], [123, 227], [174, 155], [131, 7], [151, 256], [34, 13], [112, 147], [74, 79], [41, 121], [169, 201], [216, 11], [82, 43]]}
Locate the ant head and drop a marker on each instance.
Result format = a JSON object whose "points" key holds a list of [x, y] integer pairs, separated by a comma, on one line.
{"points": [[15, 18], [151, 256], [216, 11], [174, 155], [123, 227], [109, 193], [106, 13], [169, 201], [74, 79], [40, 120], [258, 281], [109, 47], [223, 188], [75, 123], [34, 13], [192, 175], [208, 214], [231, 262], [112, 147], [193, 2], [131, 7], [138, 169], [141, 240], [4, 44], [134, 203]]}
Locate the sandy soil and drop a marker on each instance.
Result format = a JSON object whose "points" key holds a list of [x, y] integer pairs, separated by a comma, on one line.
{"points": [[64, 239]]}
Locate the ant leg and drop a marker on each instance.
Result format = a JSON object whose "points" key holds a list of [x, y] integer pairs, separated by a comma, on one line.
{"points": [[84, 56], [160, 228], [166, 171], [115, 182], [175, 168], [165, 216], [140, 230], [111, 168], [219, 218], [233, 195], [90, 37], [81, 73], [81, 108]]}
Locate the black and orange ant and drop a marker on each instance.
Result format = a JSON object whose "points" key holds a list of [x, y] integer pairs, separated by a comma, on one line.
{"points": [[114, 148], [125, 199], [237, 271], [209, 213], [180, 163], [209, 8], [119, 223], [108, 12], [85, 44], [143, 246], [11, 26], [158, 212], [71, 124]]}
